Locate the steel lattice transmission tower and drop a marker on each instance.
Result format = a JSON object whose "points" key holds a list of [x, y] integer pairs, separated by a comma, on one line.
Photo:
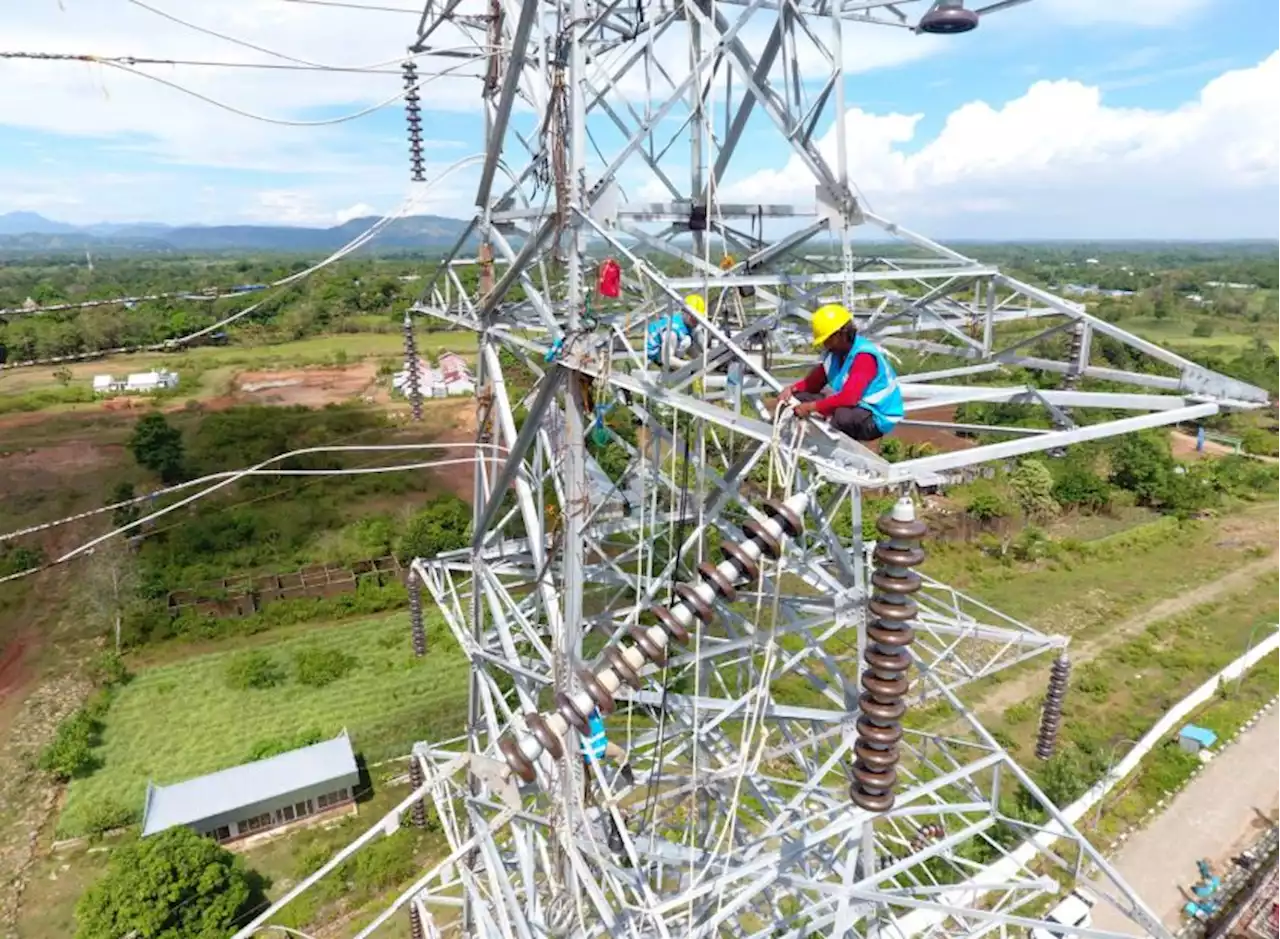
{"points": [[651, 542]]}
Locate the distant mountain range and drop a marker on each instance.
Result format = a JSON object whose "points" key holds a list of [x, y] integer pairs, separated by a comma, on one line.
{"points": [[31, 233]]}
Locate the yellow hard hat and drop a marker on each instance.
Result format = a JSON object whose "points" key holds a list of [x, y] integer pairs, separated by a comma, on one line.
{"points": [[696, 303], [829, 320]]}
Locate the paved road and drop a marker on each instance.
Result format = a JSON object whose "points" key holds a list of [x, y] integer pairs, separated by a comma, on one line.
{"points": [[1214, 817]]}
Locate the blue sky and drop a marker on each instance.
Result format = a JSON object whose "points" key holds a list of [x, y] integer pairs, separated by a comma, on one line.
{"points": [[1057, 118]]}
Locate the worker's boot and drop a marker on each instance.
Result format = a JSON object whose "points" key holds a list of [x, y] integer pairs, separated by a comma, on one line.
{"points": [[628, 776]]}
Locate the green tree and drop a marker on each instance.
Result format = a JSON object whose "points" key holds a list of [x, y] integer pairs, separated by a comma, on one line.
{"points": [[174, 885], [125, 514], [157, 445], [986, 503], [1142, 464], [444, 524], [1032, 485], [316, 667]]}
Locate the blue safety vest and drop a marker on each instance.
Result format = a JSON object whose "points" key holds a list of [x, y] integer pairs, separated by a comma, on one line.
{"points": [[594, 743], [657, 334], [882, 397]]}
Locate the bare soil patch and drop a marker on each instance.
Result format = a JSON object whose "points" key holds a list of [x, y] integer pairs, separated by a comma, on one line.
{"points": [[454, 421], [309, 387], [944, 441]]}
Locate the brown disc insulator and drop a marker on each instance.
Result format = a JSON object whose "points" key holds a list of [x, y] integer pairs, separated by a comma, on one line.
{"points": [[897, 556], [877, 778], [617, 660], [648, 648], [537, 725], [599, 694], [674, 628], [788, 519], [890, 638], [876, 758], [688, 595], [872, 802], [515, 759], [722, 585], [882, 711], [884, 689], [890, 660], [418, 813], [415, 924], [889, 613], [569, 711], [762, 536], [732, 551], [885, 678], [1051, 710], [910, 582], [881, 735], [899, 529]]}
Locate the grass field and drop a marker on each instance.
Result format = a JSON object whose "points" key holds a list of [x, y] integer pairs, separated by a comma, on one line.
{"points": [[175, 721], [205, 371], [1229, 335]]}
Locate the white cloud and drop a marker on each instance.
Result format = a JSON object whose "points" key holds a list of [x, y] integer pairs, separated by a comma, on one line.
{"points": [[1150, 13], [1058, 160], [359, 210]]}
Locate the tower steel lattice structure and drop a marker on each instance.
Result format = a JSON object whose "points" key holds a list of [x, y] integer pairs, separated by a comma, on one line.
{"points": [[651, 542]]}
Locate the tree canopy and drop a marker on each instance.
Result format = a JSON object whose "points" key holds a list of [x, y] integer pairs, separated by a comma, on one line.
{"points": [[174, 885], [157, 445]]}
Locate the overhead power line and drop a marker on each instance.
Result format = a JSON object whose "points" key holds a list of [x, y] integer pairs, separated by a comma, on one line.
{"points": [[257, 469], [357, 6], [133, 60]]}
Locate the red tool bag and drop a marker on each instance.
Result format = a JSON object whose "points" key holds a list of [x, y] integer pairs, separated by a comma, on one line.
{"points": [[610, 281]]}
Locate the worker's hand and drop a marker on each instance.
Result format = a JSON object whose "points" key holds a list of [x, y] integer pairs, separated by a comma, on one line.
{"points": [[806, 409], [785, 395]]}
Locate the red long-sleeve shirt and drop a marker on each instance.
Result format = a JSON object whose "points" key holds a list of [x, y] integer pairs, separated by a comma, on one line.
{"points": [[860, 375]]}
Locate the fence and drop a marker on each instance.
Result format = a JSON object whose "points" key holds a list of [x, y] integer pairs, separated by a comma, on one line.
{"points": [[245, 594]]}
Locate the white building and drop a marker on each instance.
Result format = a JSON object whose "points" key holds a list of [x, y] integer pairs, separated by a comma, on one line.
{"points": [[106, 384], [147, 382]]}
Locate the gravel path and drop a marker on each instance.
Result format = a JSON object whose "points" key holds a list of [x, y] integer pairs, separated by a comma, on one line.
{"points": [[1219, 813]]}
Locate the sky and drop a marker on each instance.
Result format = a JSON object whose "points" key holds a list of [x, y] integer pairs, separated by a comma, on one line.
{"points": [[1055, 119]]}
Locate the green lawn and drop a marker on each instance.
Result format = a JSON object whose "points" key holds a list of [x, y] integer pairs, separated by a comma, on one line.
{"points": [[1229, 335], [181, 720]]}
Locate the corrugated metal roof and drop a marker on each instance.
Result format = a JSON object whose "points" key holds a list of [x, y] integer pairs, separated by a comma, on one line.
{"points": [[230, 789], [1201, 735]]}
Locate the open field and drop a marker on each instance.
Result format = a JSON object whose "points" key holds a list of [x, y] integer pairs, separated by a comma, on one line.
{"points": [[181, 720], [209, 372], [1229, 335]]}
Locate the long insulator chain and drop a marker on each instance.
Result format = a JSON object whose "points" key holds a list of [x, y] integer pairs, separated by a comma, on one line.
{"points": [[413, 375], [415, 924], [416, 628], [886, 657], [622, 664], [1073, 368], [418, 812], [1051, 711], [413, 117]]}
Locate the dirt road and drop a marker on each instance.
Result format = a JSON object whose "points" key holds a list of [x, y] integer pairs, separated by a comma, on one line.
{"points": [[1031, 685], [1216, 816]]}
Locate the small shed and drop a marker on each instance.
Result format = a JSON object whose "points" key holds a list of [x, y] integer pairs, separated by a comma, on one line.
{"points": [[1193, 739], [106, 384], [310, 783], [142, 382]]}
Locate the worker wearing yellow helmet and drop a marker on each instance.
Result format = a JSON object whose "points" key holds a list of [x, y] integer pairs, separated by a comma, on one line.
{"points": [[672, 336], [864, 400]]}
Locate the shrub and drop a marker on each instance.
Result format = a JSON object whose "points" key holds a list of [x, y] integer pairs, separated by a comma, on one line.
{"points": [[157, 445], [108, 670], [17, 558], [1079, 487], [1142, 464], [1260, 442], [107, 815], [317, 667], [1203, 329], [273, 746], [891, 449], [254, 669], [70, 753], [986, 503]]}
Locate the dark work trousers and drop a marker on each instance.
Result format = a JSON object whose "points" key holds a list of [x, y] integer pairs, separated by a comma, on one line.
{"points": [[858, 422]]}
